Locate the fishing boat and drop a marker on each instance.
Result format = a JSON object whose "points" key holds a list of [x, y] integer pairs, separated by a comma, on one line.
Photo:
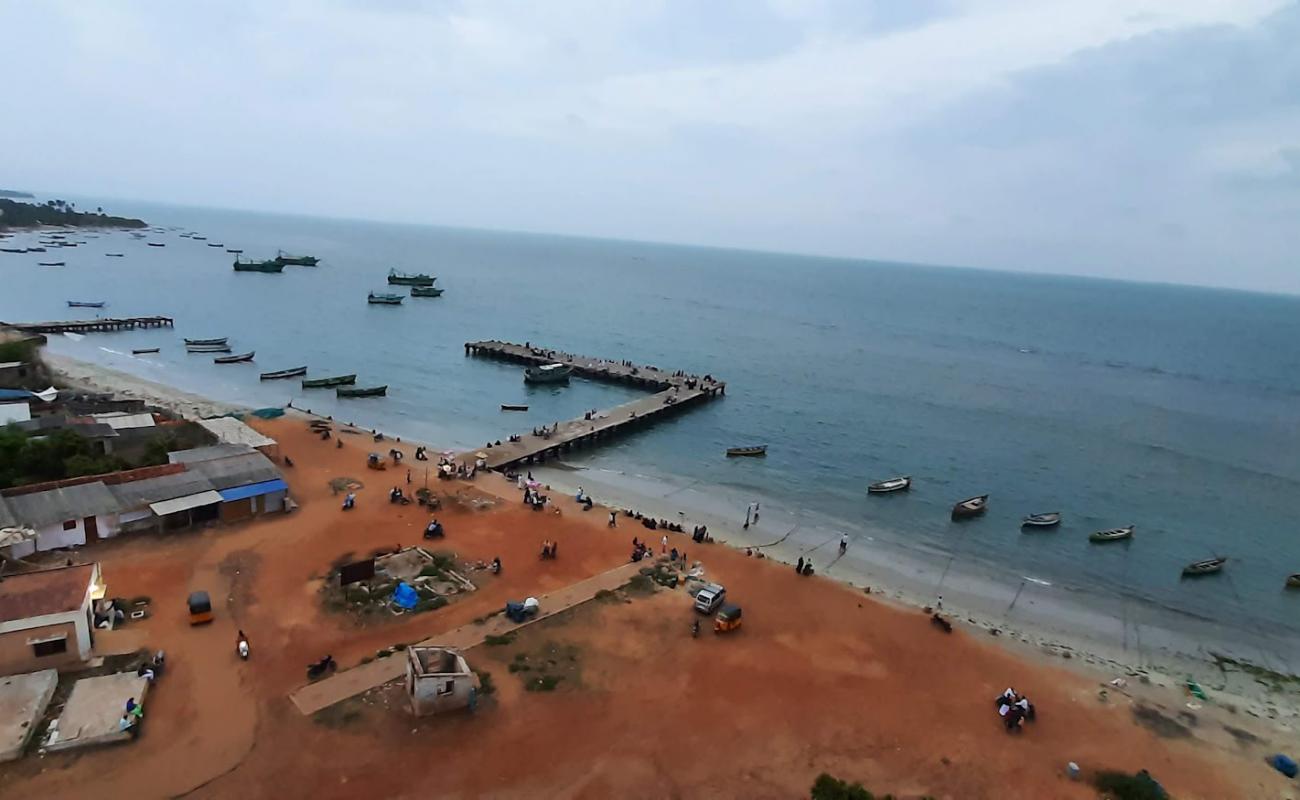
{"points": [[242, 357], [548, 373], [297, 261], [396, 278], [425, 291], [38, 249], [157, 244], [1293, 581], [215, 244], [1046, 520], [1112, 535], [13, 249], [513, 407], [258, 266], [144, 350], [1207, 567], [114, 255], [753, 450], [236, 251], [372, 391], [207, 348], [283, 373], [337, 380], [971, 507], [892, 485], [199, 238], [53, 263], [86, 304], [385, 299], [218, 340]]}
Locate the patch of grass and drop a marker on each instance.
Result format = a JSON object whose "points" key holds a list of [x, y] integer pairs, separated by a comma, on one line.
{"points": [[495, 640], [487, 686], [1123, 786], [384, 653], [518, 666], [543, 683], [367, 659], [431, 604], [640, 584], [443, 559], [606, 596], [337, 716], [433, 571]]}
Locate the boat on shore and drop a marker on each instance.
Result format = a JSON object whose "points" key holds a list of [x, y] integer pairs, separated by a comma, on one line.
{"points": [[323, 383], [258, 266], [396, 278], [970, 507], [296, 261], [242, 357], [900, 484], [201, 342], [1112, 535], [140, 351], [1046, 520], [513, 407], [752, 450], [86, 304], [385, 299], [425, 291], [548, 373], [283, 373], [52, 263], [1207, 567], [371, 391]]}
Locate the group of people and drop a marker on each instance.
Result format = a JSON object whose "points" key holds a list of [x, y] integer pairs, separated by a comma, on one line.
{"points": [[534, 499], [132, 717], [433, 530], [550, 550], [420, 454], [395, 495], [547, 431], [1014, 709], [803, 567], [589, 415]]}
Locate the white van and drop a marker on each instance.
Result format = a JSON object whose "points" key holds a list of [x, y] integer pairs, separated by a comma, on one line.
{"points": [[710, 597]]}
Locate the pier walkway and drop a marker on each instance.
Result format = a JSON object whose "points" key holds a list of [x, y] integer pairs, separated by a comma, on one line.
{"points": [[102, 325], [673, 393]]}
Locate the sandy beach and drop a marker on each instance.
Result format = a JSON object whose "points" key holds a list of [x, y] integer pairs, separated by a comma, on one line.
{"points": [[89, 377]]}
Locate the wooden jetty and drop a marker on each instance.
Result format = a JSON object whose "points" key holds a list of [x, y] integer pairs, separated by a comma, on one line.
{"points": [[672, 393], [104, 325]]}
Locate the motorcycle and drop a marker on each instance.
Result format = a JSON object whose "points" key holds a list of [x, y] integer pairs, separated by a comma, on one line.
{"points": [[241, 646]]}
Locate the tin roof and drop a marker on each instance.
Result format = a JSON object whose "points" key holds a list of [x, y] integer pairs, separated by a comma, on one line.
{"points": [[138, 494], [229, 430], [210, 453], [237, 470], [39, 509]]}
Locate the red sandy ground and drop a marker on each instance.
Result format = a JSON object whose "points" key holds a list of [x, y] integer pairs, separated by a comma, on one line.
{"points": [[820, 678]]}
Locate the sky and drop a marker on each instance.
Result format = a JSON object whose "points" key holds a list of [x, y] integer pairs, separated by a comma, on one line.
{"points": [[1144, 139]]}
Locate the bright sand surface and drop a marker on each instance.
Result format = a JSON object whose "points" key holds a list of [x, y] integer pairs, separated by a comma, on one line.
{"points": [[821, 677]]}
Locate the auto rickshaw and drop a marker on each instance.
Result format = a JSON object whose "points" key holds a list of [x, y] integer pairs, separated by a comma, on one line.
{"points": [[200, 608], [376, 461], [728, 619]]}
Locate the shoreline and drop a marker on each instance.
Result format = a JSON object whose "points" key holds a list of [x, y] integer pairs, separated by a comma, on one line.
{"points": [[86, 376]]}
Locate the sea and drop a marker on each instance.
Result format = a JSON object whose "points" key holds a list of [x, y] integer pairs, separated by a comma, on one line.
{"points": [[1171, 408]]}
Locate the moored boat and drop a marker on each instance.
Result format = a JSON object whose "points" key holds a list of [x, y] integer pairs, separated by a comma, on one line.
{"points": [[337, 380], [1293, 581], [752, 450], [1208, 566], [114, 255], [283, 373], [371, 391], [513, 407], [144, 350], [258, 266], [1046, 520], [215, 244], [242, 357], [970, 507], [297, 261], [900, 484], [234, 250], [1112, 535], [218, 340], [385, 299], [86, 304], [425, 291], [207, 348], [396, 278], [52, 263], [39, 249], [13, 249], [548, 373], [157, 244]]}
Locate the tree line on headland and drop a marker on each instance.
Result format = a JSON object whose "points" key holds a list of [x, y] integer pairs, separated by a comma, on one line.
{"points": [[57, 212]]}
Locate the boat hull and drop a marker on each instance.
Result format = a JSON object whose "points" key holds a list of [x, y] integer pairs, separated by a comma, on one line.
{"points": [[425, 291], [1115, 535], [296, 372], [258, 266], [325, 383], [890, 486], [513, 407], [969, 508], [144, 351], [202, 342], [239, 359], [374, 391], [1041, 521], [208, 348], [743, 452], [540, 375]]}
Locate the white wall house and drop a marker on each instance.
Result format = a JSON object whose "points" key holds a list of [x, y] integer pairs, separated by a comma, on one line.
{"points": [[46, 617]]}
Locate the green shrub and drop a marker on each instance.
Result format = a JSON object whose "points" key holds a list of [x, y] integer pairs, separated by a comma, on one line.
{"points": [[1123, 786], [827, 787], [518, 666], [546, 683], [486, 686], [494, 640]]}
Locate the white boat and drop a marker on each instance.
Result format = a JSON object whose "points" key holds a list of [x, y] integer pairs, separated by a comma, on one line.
{"points": [[548, 373], [1112, 535], [901, 484], [1041, 520]]}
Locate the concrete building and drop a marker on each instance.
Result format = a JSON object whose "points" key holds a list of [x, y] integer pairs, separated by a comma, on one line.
{"points": [[62, 517], [438, 679], [249, 484], [46, 618]]}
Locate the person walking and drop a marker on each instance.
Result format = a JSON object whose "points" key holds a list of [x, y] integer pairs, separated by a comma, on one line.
{"points": [[844, 543], [663, 544], [613, 519]]}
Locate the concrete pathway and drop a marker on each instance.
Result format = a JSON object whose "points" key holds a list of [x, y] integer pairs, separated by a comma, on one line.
{"points": [[324, 693]]}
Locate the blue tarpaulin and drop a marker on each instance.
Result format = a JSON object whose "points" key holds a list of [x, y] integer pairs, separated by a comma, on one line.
{"points": [[15, 394], [252, 490], [405, 596]]}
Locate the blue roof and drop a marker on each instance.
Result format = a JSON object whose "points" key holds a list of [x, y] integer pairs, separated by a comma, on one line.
{"points": [[14, 394], [252, 490]]}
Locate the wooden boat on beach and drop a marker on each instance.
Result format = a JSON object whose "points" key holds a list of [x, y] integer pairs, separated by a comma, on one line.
{"points": [[201, 342], [425, 291], [242, 357], [753, 450], [1112, 535], [140, 351], [86, 304], [384, 299], [372, 391], [396, 278], [258, 266], [337, 380], [901, 484], [970, 507], [513, 407], [283, 373], [1047, 520], [1207, 567], [548, 373], [297, 261]]}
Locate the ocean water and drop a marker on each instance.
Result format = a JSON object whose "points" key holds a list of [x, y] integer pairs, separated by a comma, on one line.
{"points": [[1175, 409]]}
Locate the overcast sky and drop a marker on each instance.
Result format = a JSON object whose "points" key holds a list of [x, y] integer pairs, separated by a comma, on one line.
{"points": [[1146, 139]]}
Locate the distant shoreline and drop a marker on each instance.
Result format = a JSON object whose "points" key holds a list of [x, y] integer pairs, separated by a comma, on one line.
{"points": [[16, 195], [17, 216]]}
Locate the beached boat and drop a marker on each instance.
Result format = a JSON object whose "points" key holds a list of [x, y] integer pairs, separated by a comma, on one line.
{"points": [[283, 373], [114, 255], [258, 266], [385, 299], [752, 450], [1293, 581], [1207, 567], [86, 304], [144, 350], [372, 391], [242, 357], [892, 485], [297, 261], [971, 507], [1046, 520], [218, 340], [52, 263], [1112, 535], [157, 244], [548, 373], [425, 291], [337, 380], [396, 278], [513, 407]]}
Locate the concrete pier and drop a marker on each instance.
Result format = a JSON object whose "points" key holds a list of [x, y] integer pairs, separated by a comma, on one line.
{"points": [[103, 325]]}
